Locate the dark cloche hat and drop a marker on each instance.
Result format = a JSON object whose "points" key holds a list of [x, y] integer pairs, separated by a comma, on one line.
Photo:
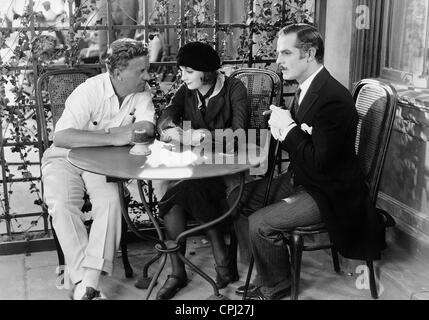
{"points": [[199, 56]]}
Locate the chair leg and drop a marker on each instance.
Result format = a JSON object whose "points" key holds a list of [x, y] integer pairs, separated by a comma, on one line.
{"points": [[279, 163], [248, 277], [372, 284], [60, 253], [335, 260], [144, 280], [124, 250], [233, 247], [296, 246], [124, 247]]}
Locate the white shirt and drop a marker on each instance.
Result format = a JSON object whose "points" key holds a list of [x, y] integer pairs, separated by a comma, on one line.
{"points": [[307, 83], [93, 106]]}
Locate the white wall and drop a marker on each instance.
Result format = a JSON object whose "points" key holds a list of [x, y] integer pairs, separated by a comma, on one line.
{"points": [[339, 15]]}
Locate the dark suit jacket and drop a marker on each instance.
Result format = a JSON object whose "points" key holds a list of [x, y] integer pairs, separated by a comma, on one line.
{"points": [[325, 163]]}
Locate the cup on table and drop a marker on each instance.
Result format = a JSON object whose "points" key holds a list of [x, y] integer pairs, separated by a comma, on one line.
{"points": [[141, 141]]}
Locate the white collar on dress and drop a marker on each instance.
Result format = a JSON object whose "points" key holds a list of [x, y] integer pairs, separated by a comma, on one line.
{"points": [[220, 80]]}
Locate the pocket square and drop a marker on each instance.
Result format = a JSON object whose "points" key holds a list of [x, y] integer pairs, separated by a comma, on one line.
{"points": [[306, 128]]}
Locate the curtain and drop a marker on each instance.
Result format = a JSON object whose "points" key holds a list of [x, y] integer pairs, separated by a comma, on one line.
{"points": [[367, 43]]}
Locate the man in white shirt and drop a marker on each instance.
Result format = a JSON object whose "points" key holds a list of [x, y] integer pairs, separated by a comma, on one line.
{"points": [[101, 111], [324, 181]]}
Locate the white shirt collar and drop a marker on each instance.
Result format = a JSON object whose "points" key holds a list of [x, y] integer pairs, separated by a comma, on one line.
{"points": [[307, 83], [109, 91]]}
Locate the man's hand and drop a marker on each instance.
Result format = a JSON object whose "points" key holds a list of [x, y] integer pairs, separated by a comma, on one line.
{"points": [[276, 133], [122, 138], [281, 122], [280, 118]]}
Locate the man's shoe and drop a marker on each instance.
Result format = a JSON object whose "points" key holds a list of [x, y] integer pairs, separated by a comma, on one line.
{"points": [[90, 293], [240, 290], [262, 294], [171, 286], [256, 294]]}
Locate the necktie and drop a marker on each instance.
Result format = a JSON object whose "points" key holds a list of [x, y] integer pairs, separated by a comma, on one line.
{"points": [[203, 98], [296, 101]]}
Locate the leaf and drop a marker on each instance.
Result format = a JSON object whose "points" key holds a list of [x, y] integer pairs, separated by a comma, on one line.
{"points": [[38, 202], [26, 174]]}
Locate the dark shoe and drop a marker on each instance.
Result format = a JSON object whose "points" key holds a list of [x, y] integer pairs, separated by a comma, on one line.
{"points": [[171, 286], [90, 294], [226, 275], [262, 294], [256, 294], [240, 290]]}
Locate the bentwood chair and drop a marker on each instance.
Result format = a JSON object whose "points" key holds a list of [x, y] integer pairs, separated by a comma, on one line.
{"points": [[264, 87], [53, 88], [376, 104]]}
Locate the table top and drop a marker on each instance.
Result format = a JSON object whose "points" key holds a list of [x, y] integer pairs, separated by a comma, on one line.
{"points": [[166, 162]]}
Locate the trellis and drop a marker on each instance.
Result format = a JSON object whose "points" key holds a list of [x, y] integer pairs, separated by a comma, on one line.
{"points": [[29, 105]]}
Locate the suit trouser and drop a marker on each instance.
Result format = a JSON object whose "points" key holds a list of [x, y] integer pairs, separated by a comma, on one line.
{"points": [[64, 187], [290, 207]]}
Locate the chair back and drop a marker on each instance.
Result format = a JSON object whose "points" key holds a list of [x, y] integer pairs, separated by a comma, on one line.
{"points": [[376, 106], [264, 87], [52, 91]]}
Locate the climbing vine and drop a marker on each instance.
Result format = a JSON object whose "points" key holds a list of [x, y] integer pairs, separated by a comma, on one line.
{"points": [[19, 126]]}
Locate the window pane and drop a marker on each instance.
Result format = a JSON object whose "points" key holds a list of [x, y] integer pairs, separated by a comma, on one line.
{"points": [[406, 46]]}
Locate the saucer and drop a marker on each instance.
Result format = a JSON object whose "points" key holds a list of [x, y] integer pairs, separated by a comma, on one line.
{"points": [[140, 149]]}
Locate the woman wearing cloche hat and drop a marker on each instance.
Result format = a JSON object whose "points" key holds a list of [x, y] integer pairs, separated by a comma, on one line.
{"points": [[209, 100]]}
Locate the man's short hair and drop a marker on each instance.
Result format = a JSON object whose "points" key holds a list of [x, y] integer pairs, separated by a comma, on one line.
{"points": [[307, 37], [122, 51]]}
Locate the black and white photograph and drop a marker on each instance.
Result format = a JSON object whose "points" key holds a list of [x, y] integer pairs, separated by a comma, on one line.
{"points": [[214, 153]]}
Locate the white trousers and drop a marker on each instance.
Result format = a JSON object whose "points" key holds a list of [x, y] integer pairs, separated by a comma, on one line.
{"points": [[64, 187]]}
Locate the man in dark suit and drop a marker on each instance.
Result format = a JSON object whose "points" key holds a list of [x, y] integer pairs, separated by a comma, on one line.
{"points": [[324, 181]]}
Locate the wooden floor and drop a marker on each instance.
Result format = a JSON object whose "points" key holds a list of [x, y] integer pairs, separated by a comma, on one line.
{"points": [[401, 277]]}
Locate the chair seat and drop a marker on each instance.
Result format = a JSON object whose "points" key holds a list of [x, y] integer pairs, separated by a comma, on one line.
{"points": [[310, 229]]}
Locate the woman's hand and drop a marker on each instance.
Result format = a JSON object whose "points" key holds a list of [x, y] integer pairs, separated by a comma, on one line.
{"points": [[195, 138], [172, 134]]}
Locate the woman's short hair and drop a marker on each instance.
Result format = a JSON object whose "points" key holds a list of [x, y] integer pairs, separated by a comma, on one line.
{"points": [[122, 51], [307, 37], [209, 77]]}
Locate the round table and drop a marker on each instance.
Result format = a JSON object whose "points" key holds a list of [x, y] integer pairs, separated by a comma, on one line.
{"points": [[168, 162], [165, 164]]}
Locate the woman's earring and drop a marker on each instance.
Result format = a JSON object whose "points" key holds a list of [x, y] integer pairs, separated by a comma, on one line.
{"points": [[119, 78]]}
